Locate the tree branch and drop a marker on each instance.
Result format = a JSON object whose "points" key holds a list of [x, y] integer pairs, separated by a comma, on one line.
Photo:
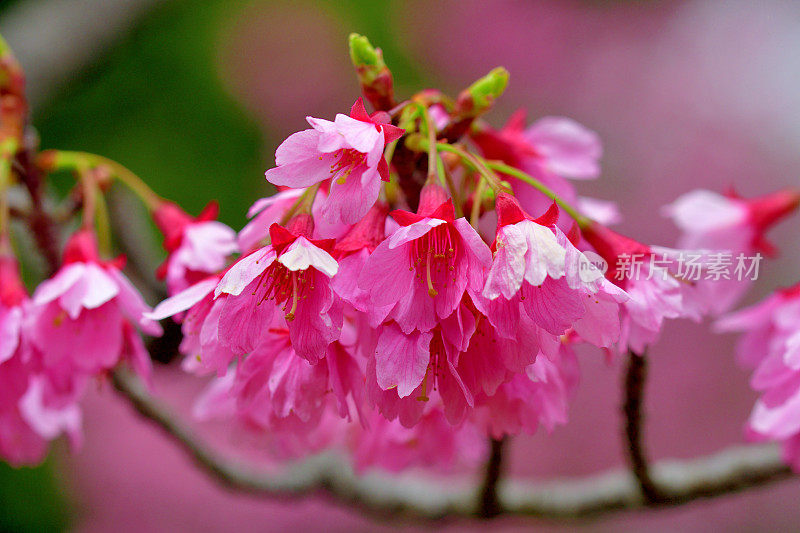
{"points": [[716, 475], [489, 504], [635, 377]]}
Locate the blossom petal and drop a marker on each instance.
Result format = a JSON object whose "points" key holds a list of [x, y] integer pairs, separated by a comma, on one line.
{"points": [[244, 271], [301, 255], [401, 360], [183, 300]]}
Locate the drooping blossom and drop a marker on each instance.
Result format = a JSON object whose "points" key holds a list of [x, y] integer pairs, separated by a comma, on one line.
{"points": [[197, 247], [737, 226], [538, 273], [291, 274], [30, 416], [274, 389], [412, 373], [771, 347], [551, 150], [19, 443], [84, 319], [709, 220], [12, 297], [281, 437], [348, 151], [539, 396], [424, 267]]}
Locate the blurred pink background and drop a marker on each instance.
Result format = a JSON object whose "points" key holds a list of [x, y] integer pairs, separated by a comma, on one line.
{"points": [[683, 94]]}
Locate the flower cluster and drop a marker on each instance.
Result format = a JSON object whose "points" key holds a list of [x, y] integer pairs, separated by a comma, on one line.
{"points": [[419, 282]]}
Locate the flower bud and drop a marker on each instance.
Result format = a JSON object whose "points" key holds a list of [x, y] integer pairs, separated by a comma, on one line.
{"points": [[373, 74], [480, 96]]}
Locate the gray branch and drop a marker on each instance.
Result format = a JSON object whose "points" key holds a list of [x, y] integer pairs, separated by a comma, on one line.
{"points": [[727, 472]]}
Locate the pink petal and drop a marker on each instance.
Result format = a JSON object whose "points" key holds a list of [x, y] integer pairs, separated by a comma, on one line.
{"points": [[401, 360], [10, 326], [387, 274], [47, 421], [348, 202], [184, 300], [406, 234], [569, 149], [242, 322], [244, 271], [477, 253], [553, 305], [49, 290], [362, 136], [508, 268], [132, 304], [316, 324], [297, 147]]}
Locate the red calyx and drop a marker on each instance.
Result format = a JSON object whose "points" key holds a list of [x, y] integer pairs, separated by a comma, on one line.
{"points": [[81, 248], [433, 203], [172, 221], [790, 292], [510, 212], [301, 225], [382, 122], [12, 290], [767, 210], [610, 245]]}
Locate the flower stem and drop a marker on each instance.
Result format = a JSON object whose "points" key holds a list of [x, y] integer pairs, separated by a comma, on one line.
{"points": [[103, 225], [7, 149], [64, 160], [433, 155], [501, 167], [476, 203]]}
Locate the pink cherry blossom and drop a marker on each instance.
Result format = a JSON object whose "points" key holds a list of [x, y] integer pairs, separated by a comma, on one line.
{"points": [[292, 273], [713, 221], [423, 269], [771, 346], [196, 247], [462, 357], [287, 437], [649, 277], [84, 318], [19, 442], [12, 297], [36, 404], [352, 252], [539, 274], [537, 396], [735, 225], [349, 151]]}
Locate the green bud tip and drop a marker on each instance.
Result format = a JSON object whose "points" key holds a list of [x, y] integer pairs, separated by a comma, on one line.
{"points": [[490, 86], [362, 53]]}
